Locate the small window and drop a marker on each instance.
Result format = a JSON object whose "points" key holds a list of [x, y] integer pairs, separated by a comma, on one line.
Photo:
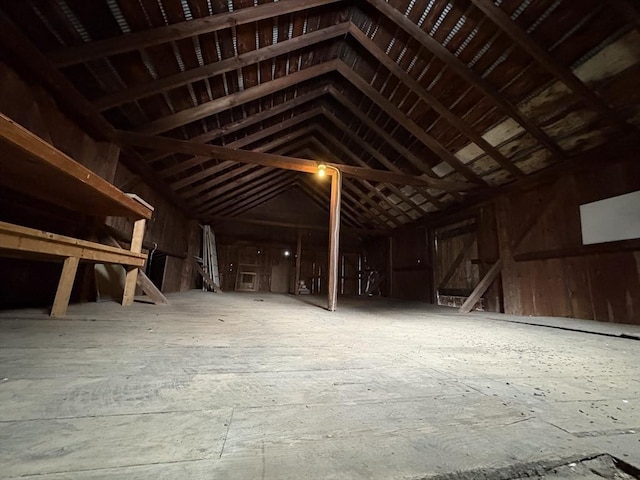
{"points": [[611, 219]]}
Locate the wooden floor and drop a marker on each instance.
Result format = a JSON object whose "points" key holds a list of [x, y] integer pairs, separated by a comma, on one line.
{"points": [[243, 386]]}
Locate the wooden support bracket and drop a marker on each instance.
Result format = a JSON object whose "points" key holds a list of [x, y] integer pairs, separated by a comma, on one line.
{"points": [[481, 288]]}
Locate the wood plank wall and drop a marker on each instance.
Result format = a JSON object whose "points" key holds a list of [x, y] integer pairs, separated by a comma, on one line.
{"points": [[34, 108], [549, 272], [261, 258]]}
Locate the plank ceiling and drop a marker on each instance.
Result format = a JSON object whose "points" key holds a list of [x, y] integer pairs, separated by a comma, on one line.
{"points": [[468, 95]]}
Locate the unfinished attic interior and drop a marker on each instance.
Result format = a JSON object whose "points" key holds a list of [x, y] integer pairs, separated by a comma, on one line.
{"points": [[346, 239]]}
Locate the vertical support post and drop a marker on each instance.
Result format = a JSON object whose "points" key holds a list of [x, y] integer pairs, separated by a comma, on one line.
{"points": [[390, 266], [431, 245], [334, 238], [296, 288], [132, 273], [63, 293], [510, 280]]}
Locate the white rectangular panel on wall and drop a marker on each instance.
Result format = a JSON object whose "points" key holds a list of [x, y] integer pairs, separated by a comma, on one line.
{"points": [[611, 219]]}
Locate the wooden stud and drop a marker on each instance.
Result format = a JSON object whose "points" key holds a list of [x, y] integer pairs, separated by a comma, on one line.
{"points": [[65, 284], [296, 288]]}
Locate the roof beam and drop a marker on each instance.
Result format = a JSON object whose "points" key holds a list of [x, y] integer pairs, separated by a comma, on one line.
{"points": [[177, 31], [277, 161], [518, 35], [407, 123], [217, 68], [465, 72], [430, 99], [184, 117]]}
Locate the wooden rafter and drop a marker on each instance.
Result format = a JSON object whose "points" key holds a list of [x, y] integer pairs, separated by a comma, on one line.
{"points": [[187, 77], [400, 117], [380, 132], [377, 155], [323, 202], [350, 210], [184, 117], [352, 187], [242, 142], [465, 72], [260, 199], [342, 149], [433, 102], [14, 42], [170, 33], [564, 74], [247, 121], [245, 192], [373, 191], [351, 203]]}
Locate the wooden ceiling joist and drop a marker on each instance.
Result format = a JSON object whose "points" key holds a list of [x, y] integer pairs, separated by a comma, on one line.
{"points": [[349, 186], [432, 45], [242, 156], [171, 33], [213, 170]]}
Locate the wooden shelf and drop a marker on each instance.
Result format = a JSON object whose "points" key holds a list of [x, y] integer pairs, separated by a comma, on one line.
{"points": [[31, 165]]}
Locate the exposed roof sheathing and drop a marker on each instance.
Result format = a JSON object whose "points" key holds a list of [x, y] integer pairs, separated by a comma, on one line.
{"points": [[474, 92]]}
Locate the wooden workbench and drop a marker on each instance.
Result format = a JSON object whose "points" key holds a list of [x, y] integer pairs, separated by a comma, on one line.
{"points": [[32, 166]]}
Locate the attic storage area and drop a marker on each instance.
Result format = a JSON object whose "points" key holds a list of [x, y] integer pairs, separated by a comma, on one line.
{"points": [[319, 238]]}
